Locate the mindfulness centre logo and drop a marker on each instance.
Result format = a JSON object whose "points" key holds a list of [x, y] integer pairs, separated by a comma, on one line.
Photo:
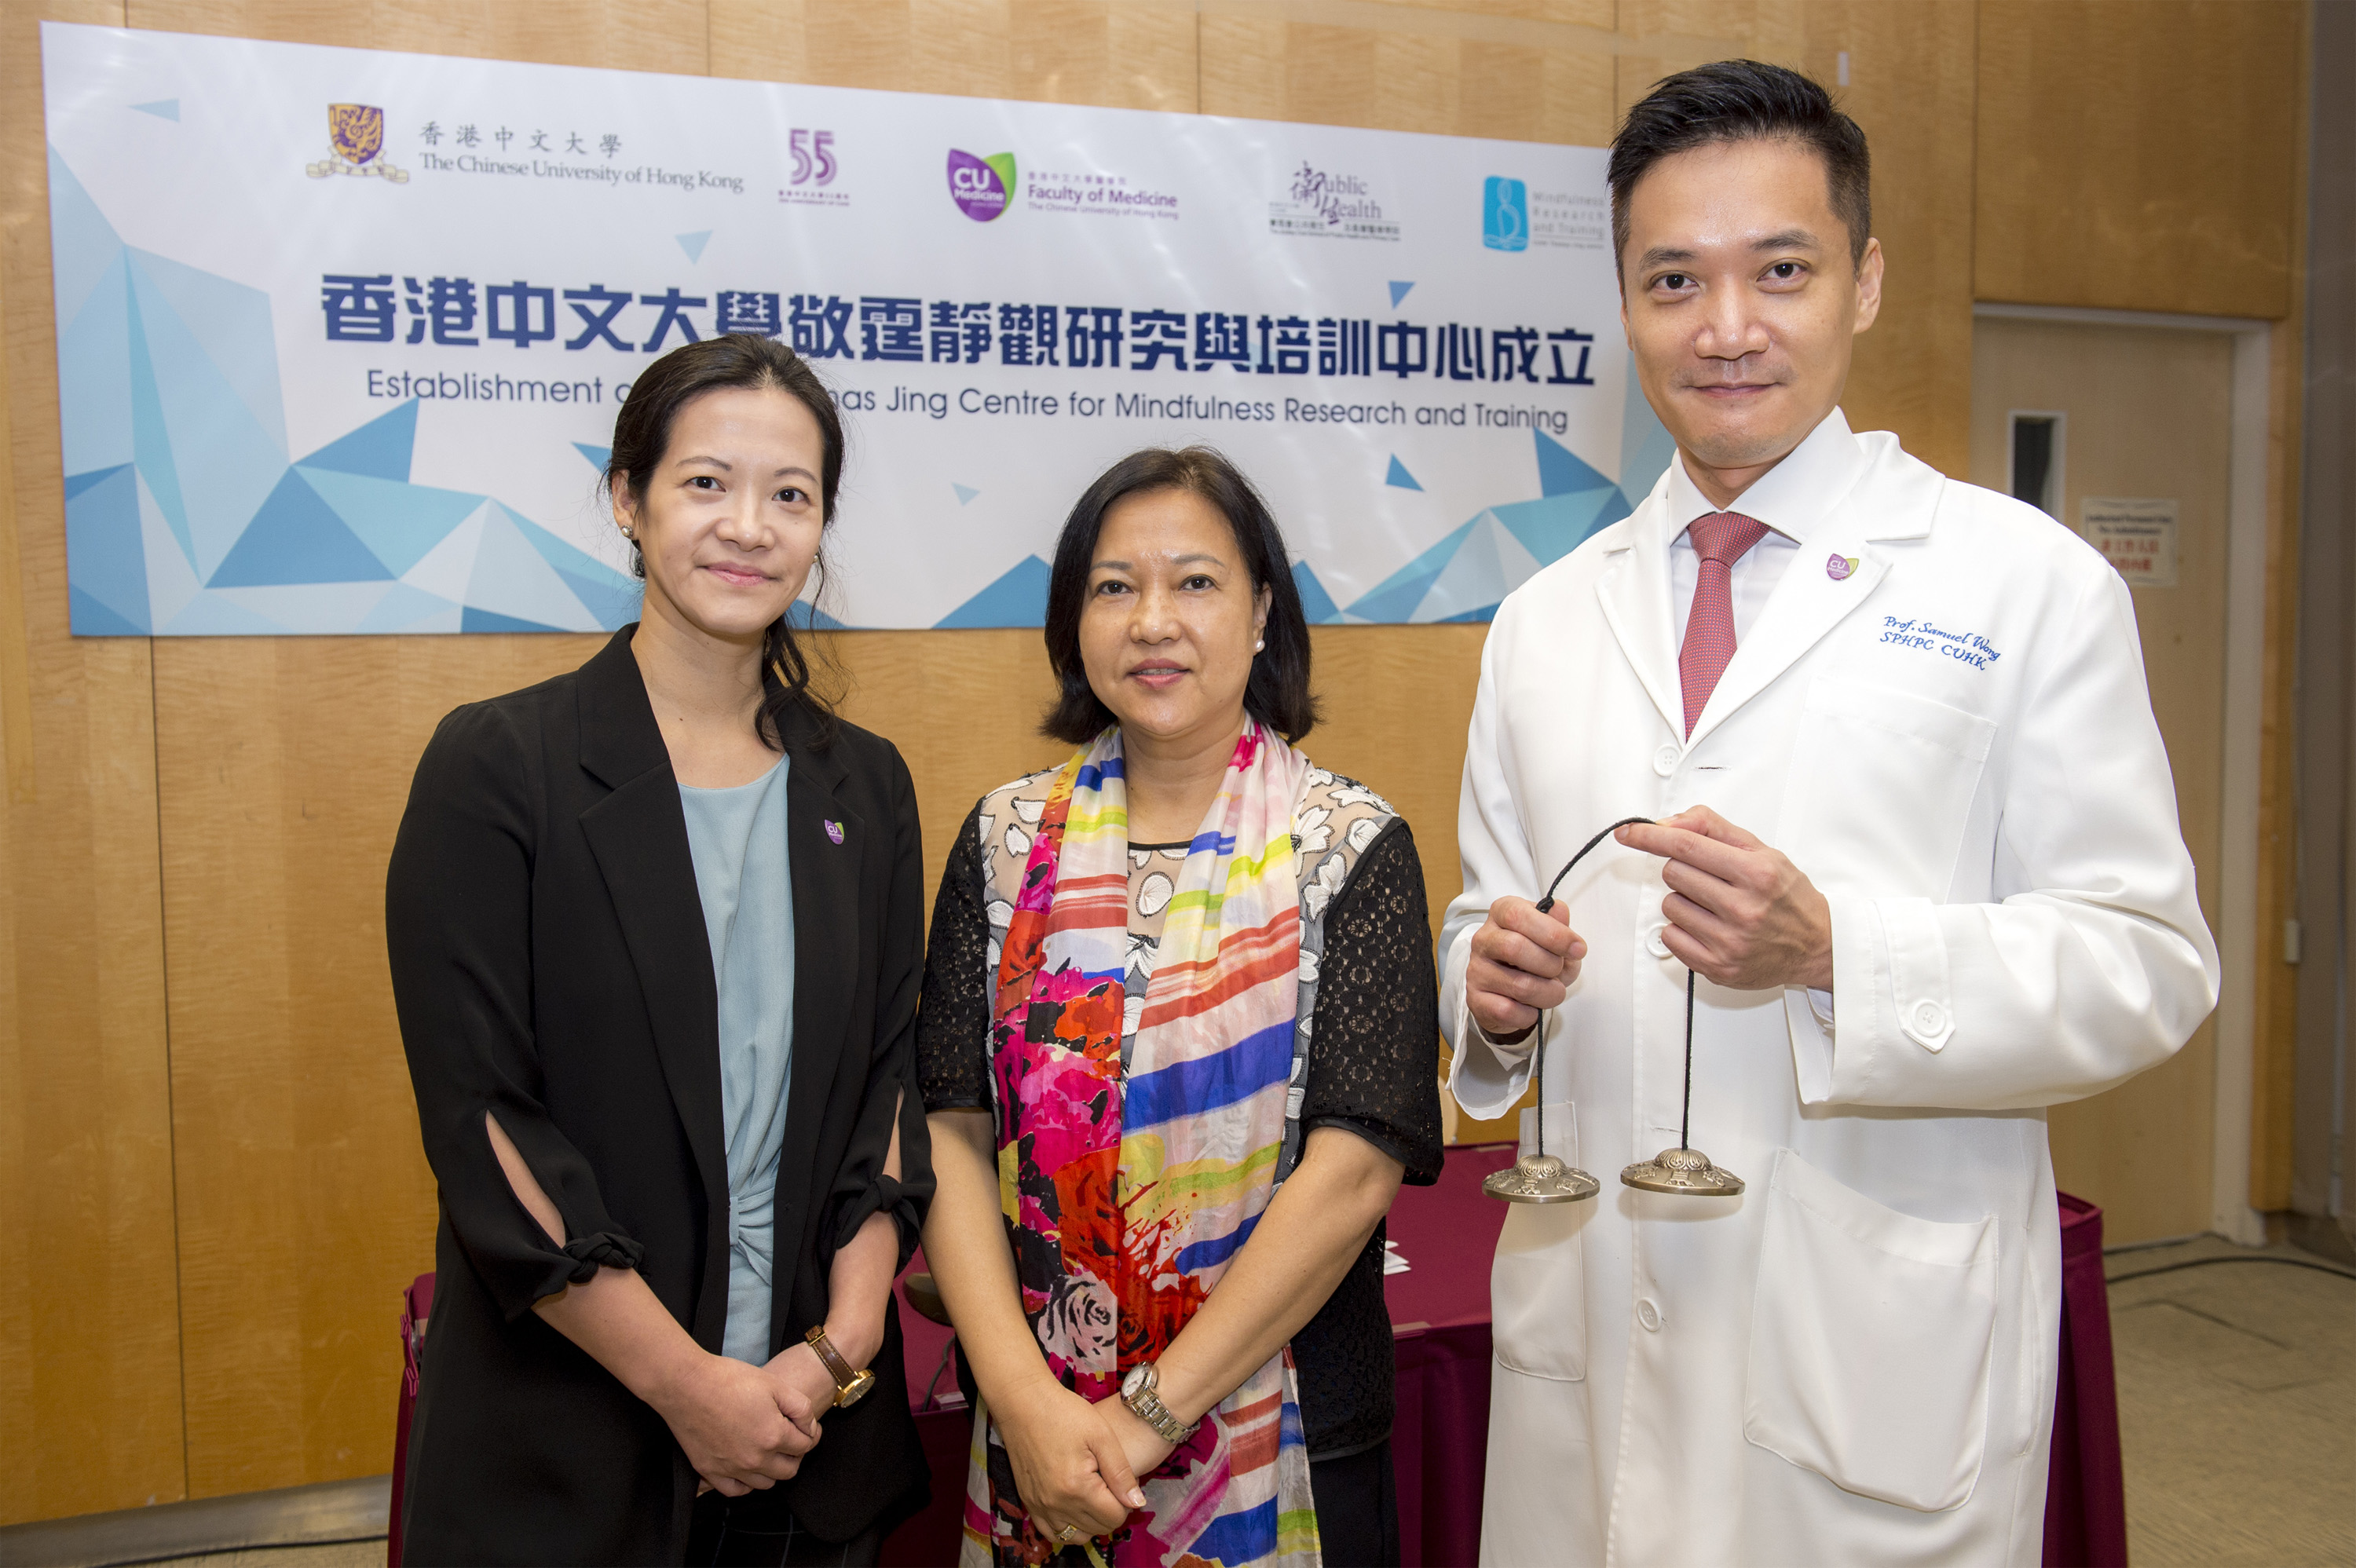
{"points": [[981, 188], [1505, 213]]}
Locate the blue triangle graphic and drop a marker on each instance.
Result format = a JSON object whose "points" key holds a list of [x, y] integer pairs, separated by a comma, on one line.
{"points": [[1560, 473], [806, 616], [965, 493], [1017, 599], [1317, 606], [609, 595], [89, 618], [1553, 525], [379, 449], [693, 244], [296, 538], [107, 557], [1399, 292], [77, 482], [1399, 478], [163, 109], [598, 455], [475, 619], [1395, 597], [400, 523]]}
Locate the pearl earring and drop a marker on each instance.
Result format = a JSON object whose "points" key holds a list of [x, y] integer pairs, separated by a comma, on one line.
{"points": [[1261, 646]]}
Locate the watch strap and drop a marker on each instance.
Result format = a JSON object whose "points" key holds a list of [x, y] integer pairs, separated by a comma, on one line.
{"points": [[846, 1380], [1146, 1404]]}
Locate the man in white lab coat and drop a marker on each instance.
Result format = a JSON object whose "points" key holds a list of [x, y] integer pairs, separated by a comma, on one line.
{"points": [[1919, 844]]}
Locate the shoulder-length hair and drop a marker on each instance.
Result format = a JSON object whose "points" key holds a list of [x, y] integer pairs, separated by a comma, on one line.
{"points": [[642, 439], [1278, 694]]}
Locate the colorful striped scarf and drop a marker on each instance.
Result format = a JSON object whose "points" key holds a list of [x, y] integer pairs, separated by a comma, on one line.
{"points": [[1127, 1191]]}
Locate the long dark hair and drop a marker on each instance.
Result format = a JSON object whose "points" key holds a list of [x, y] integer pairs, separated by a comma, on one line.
{"points": [[1277, 693], [642, 438]]}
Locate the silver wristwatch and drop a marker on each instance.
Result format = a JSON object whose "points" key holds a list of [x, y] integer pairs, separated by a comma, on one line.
{"points": [[1138, 1391]]}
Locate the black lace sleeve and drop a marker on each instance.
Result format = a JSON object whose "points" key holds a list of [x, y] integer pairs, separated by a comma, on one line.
{"points": [[953, 1015], [1374, 1053]]}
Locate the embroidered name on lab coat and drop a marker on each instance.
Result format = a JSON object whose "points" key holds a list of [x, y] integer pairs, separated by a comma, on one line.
{"points": [[1964, 647]]}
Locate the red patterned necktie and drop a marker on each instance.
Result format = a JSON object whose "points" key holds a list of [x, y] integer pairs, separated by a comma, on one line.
{"points": [[1720, 541]]}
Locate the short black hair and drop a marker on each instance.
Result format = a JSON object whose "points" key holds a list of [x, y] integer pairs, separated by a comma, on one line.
{"points": [[1743, 101], [1278, 694]]}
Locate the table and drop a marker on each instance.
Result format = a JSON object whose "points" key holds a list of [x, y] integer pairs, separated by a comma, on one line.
{"points": [[1440, 1323]]}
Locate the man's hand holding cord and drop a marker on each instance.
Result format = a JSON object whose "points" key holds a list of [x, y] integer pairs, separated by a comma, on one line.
{"points": [[1739, 913]]}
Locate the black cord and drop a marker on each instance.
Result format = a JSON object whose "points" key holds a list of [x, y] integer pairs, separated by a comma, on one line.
{"points": [[1685, 1121], [1547, 902], [2204, 1263]]}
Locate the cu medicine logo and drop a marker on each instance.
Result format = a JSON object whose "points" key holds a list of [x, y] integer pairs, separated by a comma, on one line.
{"points": [[981, 188], [355, 143]]}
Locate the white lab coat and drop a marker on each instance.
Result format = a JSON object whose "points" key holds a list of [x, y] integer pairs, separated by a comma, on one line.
{"points": [[1853, 1361]]}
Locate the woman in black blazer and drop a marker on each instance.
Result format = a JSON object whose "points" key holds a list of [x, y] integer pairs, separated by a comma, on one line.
{"points": [[595, 1008]]}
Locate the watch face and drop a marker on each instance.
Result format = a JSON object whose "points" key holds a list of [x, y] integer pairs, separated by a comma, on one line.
{"points": [[1139, 1379]]}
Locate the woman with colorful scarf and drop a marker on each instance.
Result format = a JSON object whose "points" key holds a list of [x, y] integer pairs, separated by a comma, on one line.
{"points": [[1178, 1048]]}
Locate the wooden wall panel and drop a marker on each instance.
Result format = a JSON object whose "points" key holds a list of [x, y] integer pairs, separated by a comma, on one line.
{"points": [[2142, 154], [90, 1391], [305, 1203], [1105, 52]]}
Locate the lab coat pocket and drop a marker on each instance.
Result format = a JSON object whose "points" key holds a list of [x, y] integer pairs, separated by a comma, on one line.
{"points": [[1869, 1342], [1880, 787], [1537, 1288]]}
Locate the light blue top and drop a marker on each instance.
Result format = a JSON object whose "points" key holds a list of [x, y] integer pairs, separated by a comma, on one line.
{"points": [[737, 837]]}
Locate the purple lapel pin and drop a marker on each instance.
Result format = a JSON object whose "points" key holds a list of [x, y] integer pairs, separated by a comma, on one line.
{"points": [[1839, 567], [834, 830]]}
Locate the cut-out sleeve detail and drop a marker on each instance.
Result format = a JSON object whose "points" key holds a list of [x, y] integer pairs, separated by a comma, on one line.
{"points": [[590, 1253]]}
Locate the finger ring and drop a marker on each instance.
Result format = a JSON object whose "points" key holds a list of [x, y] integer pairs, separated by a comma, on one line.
{"points": [[1069, 1534]]}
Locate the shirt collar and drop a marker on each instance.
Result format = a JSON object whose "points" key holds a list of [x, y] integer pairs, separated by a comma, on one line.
{"points": [[1789, 497]]}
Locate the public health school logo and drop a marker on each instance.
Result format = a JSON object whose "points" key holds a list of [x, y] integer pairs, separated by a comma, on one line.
{"points": [[1505, 213], [355, 137], [982, 187]]}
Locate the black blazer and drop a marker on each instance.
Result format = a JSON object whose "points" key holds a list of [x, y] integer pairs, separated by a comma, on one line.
{"points": [[550, 965]]}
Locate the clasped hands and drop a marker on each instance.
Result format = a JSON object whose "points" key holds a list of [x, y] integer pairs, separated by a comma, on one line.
{"points": [[1076, 1462], [745, 1428], [1739, 914]]}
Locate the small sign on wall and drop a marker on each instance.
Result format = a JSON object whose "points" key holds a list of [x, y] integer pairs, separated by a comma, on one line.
{"points": [[2136, 534]]}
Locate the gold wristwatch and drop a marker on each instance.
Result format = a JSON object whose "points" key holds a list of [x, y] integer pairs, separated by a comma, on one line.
{"points": [[850, 1387]]}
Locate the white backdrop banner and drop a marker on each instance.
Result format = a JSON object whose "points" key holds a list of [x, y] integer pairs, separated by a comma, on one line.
{"points": [[341, 333]]}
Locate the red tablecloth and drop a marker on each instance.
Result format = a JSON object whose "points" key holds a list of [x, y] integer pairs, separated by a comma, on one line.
{"points": [[2086, 1499], [1439, 1318]]}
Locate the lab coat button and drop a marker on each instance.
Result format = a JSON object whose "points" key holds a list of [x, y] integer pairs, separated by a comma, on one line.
{"points": [[1665, 761], [1655, 945], [1649, 1315], [1929, 1018]]}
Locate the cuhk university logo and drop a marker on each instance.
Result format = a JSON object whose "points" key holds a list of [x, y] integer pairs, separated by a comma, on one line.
{"points": [[981, 188], [1505, 213], [355, 141]]}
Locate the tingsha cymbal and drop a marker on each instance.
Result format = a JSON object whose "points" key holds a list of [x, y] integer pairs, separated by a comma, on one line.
{"points": [[1541, 1178], [1684, 1172]]}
